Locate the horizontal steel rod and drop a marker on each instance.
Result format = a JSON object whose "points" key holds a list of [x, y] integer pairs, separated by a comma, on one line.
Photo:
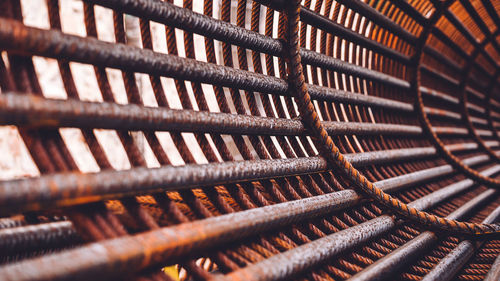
{"points": [[411, 11], [62, 189], [397, 259], [33, 111], [54, 44], [42, 236], [449, 99], [188, 20], [448, 266], [321, 22], [326, 62], [452, 189], [441, 113], [480, 121], [105, 259], [95, 52], [380, 19], [171, 15], [286, 264], [24, 233], [460, 131], [472, 39], [492, 143], [335, 95], [390, 184], [453, 82], [296, 260], [132, 253], [89, 50]]}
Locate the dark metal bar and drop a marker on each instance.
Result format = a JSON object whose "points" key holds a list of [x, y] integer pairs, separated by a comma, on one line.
{"points": [[484, 29], [359, 37], [324, 23], [50, 43], [106, 258], [480, 121], [33, 111], [171, 15], [380, 19], [452, 189], [411, 11], [448, 266], [459, 131], [397, 259], [36, 237], [64, 189], [443, 113], [321, 22], [39, 112], [63, 230], [293, 261], [398, 182], [286, 264], [383, 21], [320, 60], [439, 34], [468, 35], [440, 95], [453, 82], [132, 253]]}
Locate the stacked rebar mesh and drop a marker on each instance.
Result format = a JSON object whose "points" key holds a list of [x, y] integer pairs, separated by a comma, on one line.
{"points": [[259, 140]]}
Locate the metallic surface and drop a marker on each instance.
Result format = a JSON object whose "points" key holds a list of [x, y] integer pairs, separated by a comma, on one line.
{"points": [[218, 109]]}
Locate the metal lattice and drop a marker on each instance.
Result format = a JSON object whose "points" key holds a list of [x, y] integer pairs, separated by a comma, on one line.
{"points": [[229, 172]]}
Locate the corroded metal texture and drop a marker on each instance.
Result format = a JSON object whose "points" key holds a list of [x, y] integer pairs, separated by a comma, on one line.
{"points": [[232, 117]]}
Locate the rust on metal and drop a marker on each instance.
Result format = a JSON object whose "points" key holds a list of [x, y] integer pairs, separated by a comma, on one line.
{"points": [[249, 140]]}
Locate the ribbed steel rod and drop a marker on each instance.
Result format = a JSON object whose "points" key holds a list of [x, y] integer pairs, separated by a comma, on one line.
{"points": [[423, 175], [118, 256], [188, 20], [286, 264], [158, 246], [50, 43], [24, 233], [89, 50], [324, 23], [33, 111], [453, 82], [448, 266], [459, 131], [170, 14], [450, 99], [36, 237], [385, 22], [64, 189], [397, 259], [472, 39], [380, 19], [296, 260], [411, 11]]}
